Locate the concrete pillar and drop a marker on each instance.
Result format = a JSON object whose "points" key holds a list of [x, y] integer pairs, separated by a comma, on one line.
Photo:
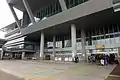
{"points": [[83, 43], [42, 46], [73, 40], [23, 55], [63, 5], [27, 7], [1, 54], [54, 45], [14, 15]]}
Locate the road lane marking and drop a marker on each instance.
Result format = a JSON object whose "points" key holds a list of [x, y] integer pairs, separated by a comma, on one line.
{"points": [[114, 76], [31, 77], [55, 77]]}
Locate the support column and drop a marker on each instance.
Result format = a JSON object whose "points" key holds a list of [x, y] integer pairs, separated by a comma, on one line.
{"points": [[119, 52], [63, 5], [54, 45], [1, 54], [73, 40], [83, 43], [14, 15], [23, 55], [29, 11], [42, 46]]}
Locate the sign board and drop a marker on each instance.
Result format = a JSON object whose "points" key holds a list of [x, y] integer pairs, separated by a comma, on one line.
{"points": [[99, 46]]}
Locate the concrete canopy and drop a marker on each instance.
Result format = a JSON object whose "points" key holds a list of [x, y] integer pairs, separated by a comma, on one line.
{"points": [[34, 4], [99, 19]]}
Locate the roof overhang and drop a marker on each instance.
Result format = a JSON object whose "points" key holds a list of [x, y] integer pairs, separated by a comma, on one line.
{"points": [[11, 26]]}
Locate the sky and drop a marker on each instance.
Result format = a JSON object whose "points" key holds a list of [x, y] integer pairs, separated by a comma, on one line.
{"points": [[6, 16]]}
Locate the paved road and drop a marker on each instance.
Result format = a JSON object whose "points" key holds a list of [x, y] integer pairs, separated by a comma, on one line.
{"points": [[34, 70]]}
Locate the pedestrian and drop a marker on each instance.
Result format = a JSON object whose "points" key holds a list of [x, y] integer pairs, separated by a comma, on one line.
{"points": [[105, 60], [102, 60], [92, 58], [76, 59]]}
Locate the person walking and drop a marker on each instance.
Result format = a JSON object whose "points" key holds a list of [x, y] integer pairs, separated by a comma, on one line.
{"points": [[102, 60], [76, 59], [105, 60]]}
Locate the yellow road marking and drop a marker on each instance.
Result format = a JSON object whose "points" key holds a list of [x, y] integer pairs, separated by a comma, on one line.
{"points": [[39, 78], [75, 70], [55, 77]]}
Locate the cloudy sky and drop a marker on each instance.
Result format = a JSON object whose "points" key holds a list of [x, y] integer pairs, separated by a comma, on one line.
{"points": [[6, 16]]}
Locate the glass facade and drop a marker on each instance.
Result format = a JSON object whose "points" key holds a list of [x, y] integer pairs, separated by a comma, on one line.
{"points": [[72, 3], [104, 35], [55, 8], [48, 11], [29, 46]]}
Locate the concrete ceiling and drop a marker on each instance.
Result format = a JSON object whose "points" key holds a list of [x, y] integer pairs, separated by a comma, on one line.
{"points": [[34, 4], [88, 22]]}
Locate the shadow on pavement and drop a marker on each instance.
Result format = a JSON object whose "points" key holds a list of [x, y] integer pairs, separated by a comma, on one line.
{"points": [[6, 76], [115, 74]]}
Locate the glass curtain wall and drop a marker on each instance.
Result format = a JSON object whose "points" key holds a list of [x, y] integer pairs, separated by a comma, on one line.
{"points": [[110, 34], [72, 3], [55, 8], [49, 10]]}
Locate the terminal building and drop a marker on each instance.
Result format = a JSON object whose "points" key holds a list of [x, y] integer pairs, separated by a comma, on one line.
{"points": [[60, 29]]}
